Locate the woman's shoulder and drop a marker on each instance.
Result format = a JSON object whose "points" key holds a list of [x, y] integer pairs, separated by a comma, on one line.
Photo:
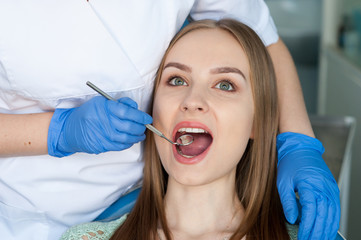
{"points": [[292, 231], [93, 230]]}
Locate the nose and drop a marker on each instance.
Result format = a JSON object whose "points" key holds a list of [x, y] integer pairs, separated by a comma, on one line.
{"points": [[195, 101]]}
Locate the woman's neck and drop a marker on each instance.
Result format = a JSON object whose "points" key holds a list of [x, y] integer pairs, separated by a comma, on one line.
{"points": [[205, 211]]}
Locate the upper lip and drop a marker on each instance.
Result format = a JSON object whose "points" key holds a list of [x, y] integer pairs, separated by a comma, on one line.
{"points": [[189, 126]]}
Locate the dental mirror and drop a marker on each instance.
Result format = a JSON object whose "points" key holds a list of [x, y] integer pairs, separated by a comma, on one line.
{"points": [[183, 140]]}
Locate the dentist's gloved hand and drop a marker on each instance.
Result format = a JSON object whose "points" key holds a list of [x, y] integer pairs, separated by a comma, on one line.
{"points": [[301, 169], [97, 126]]}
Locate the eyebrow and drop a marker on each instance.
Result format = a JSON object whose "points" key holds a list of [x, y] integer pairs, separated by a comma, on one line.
{"points": [[218, 70], [179, 66], [227, 70]]}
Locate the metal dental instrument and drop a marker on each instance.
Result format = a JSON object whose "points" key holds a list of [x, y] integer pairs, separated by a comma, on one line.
{"points": [[183, 140]]}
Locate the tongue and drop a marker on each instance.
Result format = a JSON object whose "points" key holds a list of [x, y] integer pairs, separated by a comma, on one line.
{"points": [[201, 142]]}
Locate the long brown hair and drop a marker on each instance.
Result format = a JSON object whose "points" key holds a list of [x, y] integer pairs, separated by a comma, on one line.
{"points": [[256, 172]]}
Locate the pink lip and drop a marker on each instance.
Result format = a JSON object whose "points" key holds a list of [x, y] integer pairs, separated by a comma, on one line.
{"points": [[196, 159]]}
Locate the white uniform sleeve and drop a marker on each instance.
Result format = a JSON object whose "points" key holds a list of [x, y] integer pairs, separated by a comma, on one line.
{"points": [[253, 13], [2, 72]]}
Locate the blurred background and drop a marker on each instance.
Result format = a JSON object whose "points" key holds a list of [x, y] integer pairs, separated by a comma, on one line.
{"points": [[324, 38]]}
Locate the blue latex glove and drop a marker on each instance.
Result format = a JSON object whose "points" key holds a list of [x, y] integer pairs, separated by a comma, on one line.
{"points": [[97, 126], [301, 169]]}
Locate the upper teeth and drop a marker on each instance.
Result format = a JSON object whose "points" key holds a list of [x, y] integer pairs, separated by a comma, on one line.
{"points": [[192, 130]]}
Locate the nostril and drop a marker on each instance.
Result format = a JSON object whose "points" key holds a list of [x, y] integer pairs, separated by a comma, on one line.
{"points": [[197, 109], [199, 106]]}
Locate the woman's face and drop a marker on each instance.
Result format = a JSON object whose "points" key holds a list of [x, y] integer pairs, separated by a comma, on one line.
{"points": [[205, 91]]}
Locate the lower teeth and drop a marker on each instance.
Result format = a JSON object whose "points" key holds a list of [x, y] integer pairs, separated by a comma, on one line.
{"points": [[180, 153]]}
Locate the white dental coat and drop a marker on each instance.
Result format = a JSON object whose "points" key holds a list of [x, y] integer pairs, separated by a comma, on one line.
{"points": [[48, 50]]}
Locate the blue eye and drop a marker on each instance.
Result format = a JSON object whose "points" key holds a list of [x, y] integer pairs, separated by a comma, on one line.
{"points": [[177, 81], [225, 86]]}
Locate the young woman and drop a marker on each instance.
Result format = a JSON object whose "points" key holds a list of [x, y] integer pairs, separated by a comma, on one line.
{"points": [[216, 82]]}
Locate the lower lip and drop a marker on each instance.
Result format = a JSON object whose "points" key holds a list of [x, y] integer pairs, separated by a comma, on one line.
{"points": [[193, 160]]}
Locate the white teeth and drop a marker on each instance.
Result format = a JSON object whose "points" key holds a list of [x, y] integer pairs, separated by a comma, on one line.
{"points": [[192, 130]]}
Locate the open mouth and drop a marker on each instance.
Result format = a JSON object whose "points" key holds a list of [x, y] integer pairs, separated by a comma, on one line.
{"points": [[201, 141]]}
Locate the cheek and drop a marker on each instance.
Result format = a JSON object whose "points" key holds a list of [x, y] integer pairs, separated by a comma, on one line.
{"points": [[163, 103], [234, 140], [237, 129]]}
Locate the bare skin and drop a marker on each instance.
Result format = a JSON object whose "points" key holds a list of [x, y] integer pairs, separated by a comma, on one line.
{"points": [[26, 134], [293, 114]]}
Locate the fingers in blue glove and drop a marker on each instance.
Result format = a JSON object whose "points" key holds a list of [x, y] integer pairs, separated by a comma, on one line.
{"points": [[128, 101], [309, 212], [125, 138], [289, 204], [128, 121], [124, 109], [334, 214], [116, 145], [320, 221]]}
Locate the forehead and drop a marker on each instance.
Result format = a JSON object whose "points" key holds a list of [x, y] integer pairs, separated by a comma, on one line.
{"points": [[209, 46]]}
